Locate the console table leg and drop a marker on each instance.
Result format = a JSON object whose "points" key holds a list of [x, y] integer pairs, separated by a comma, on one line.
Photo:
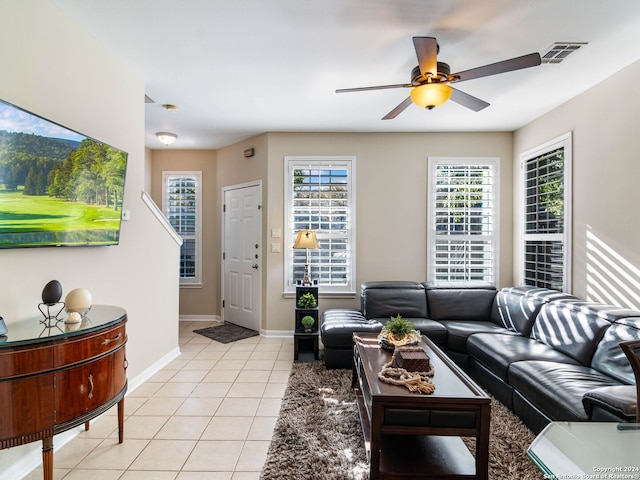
{"points": [[47, 458], [121, 420]]}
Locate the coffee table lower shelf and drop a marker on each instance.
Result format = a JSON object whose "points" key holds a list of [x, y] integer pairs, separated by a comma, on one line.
{"points": [[418, 456]]}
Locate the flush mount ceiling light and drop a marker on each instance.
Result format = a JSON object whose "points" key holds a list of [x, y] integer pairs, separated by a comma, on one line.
{"points": [[167, 137]]}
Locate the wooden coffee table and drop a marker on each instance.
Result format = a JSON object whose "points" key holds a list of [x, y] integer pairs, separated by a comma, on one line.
{"points": [[410, 435]]}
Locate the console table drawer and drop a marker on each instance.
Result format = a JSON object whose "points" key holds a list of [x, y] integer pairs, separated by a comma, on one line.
{"points": [[89, 347], [21, 361]]}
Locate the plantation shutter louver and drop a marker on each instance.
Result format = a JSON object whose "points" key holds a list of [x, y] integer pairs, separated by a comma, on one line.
{"points": [[544, 227], [321, 200], [463, 215], [182, 210]]}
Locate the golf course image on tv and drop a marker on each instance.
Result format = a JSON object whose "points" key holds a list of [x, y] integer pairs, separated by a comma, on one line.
{"points": [[57, 187]]}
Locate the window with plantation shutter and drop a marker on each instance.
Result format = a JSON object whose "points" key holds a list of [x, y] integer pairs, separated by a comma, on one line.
{"points": [[463, 228], [181, 205], [546, 224], [320, 196]]}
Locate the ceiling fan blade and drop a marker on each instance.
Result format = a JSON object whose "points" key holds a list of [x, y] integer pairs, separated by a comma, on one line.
{"points": [[525, 61], [379, 87], [426, 51], [466, 100], [398, 110]]}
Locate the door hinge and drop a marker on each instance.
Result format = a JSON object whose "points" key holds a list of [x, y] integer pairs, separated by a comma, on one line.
{"points": [[224, 255], [224, 207], [259, 207], [222, 303]]}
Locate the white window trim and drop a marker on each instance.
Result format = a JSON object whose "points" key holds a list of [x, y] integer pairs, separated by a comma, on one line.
{"points": [[195, 282], [290, 164], [565, 141], [494, 162]]}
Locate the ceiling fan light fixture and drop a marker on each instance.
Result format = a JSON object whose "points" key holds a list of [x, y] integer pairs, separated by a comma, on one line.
{"points": [[430, 95], [166, 137]]}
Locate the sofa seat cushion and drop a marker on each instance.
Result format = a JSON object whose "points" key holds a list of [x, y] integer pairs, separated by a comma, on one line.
{"points": [[557, 388], [338, 325], [458, 332], [497, 352]]}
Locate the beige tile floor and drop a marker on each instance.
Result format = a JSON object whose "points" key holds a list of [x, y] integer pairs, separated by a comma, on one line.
{"points": [[208, 415]]}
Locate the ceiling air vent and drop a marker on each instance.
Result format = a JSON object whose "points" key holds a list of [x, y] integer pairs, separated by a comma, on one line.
{"points": [[557, 52]]}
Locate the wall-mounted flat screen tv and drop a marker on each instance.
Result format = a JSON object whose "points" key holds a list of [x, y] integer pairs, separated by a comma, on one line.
{"points": [[57, 186]]}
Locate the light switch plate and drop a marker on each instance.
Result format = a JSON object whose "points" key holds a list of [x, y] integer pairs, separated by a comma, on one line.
{"points": [[275, 248], [276, 233]]}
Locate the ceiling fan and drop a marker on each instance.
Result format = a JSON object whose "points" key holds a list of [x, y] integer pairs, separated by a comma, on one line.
{"points": [[430, 79]]}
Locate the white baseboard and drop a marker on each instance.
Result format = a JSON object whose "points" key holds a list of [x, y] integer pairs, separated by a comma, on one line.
{"points": [[152, 370], [200, 318], [31, 460], [277, 333]]}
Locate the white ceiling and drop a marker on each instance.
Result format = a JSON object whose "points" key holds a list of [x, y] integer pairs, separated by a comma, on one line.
{"points": [[237, 68]]}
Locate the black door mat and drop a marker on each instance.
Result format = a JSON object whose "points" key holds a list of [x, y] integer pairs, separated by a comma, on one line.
{"points": [[226, 333]]}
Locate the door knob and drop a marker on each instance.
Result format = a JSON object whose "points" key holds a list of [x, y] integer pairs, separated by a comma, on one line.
{"points": [[254, 266]]}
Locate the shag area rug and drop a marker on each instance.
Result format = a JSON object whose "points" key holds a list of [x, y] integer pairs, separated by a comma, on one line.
{"points": [[226, 333], [318, 435]]}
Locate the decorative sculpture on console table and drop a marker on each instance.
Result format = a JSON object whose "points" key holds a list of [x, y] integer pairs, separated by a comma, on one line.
{"points": [[51, 294]]}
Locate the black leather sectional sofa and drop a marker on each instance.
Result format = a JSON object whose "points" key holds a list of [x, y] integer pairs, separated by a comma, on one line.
{"points": [[545, 354]]}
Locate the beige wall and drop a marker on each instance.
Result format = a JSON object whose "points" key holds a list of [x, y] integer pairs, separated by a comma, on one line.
{"points": [[606, 197], [202, 301], [54, 69], [391, 217], [391, 175]]}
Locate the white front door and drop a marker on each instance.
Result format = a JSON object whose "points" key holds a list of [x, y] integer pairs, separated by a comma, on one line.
{"points": [[242, 255]]}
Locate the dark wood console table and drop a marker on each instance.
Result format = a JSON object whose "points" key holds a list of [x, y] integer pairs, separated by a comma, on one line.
{"points": [[54, 378]]}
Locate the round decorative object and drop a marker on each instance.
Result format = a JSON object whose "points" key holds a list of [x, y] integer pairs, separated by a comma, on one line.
{"points": [[78, 300], [74, 317], [52, 292]]}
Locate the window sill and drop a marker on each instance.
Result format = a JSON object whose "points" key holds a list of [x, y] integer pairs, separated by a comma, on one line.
{"points": [[324, 294], [190, 285]]}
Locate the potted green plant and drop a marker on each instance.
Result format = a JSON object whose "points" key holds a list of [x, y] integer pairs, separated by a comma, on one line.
{"points": [[307, 322], [398, 332], [307, 300]]}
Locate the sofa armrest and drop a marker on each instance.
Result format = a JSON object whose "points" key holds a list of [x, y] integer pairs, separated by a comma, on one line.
{"points": [[619, 400]]}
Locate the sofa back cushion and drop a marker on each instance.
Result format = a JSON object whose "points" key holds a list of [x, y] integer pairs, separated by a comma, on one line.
{"points": [[388, 299], [572, 327], [609, 357], [515, 308], [460, 300]]}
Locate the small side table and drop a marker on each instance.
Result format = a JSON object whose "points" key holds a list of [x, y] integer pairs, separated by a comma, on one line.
{"points": [[305, 346], [587, 450]]}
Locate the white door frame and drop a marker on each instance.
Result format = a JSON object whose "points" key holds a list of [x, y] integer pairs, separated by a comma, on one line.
{"points": [[256, 183]]}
